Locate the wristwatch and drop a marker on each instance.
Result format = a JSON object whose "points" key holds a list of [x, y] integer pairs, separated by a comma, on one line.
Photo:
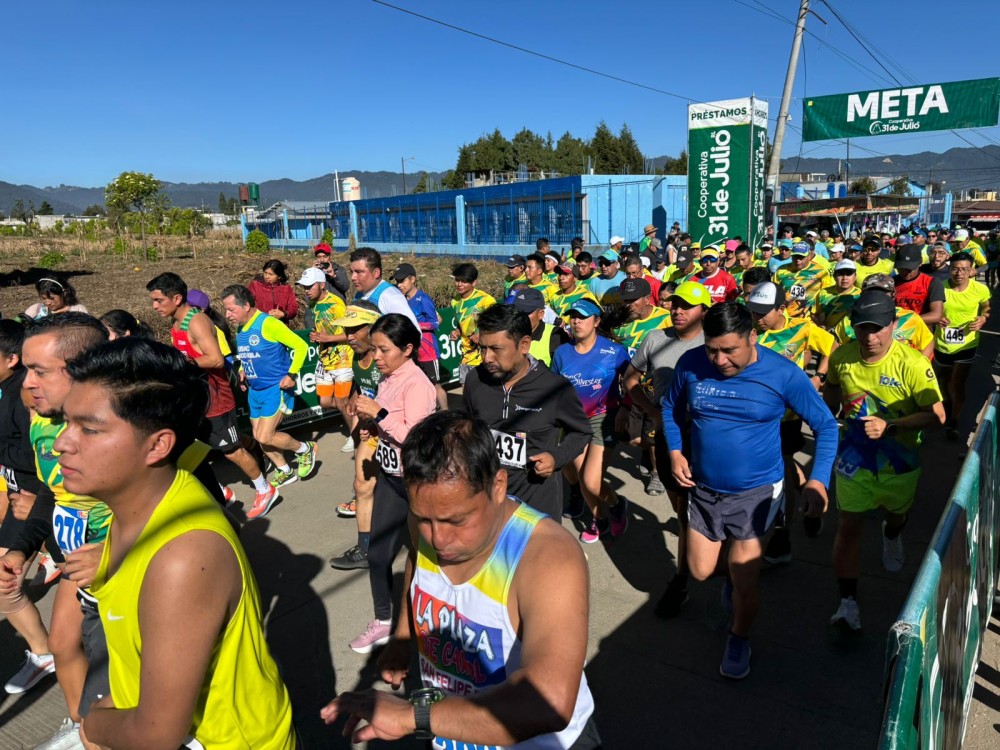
{"points": [[382, 414], [422, 700], [891, 429], [821, 376]]}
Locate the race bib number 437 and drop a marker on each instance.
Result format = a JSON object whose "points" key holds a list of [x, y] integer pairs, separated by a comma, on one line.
{"points": [[511, 448]]}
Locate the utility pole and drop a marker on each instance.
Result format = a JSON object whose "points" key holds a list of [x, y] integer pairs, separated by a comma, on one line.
{"points": [[847, 169], [786, 98]]}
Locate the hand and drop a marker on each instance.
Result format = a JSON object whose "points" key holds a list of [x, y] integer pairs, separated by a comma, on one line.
{"points": [[21, 503], [364, 435], [944, 321], [813, 499], [681, 470], [287, 383], [977, 323], [474, 338], [367, 407], [276, 313], [11, 567], [545, 464], [82, 563], [875, 427], [350, 408], [103, 703], [394, 661], [320, 338], [388, 717], [455, 335]]}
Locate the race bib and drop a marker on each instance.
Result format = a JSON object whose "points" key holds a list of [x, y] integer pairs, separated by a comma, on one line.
{"points": [[511, 449], [797, 292], [8, 475], [439, 743], [69, 527], [389, 458], [845, 468], [954, 335]]}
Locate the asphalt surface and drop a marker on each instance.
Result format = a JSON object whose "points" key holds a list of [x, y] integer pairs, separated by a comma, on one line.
{"points": [[655, 682]]}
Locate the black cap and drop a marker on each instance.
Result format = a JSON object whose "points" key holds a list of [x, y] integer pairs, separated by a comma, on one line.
{"points": [[684, 258], [403, 271], [633, 289], [529, 300], [516, 260], [909, 257], [873, 307]]}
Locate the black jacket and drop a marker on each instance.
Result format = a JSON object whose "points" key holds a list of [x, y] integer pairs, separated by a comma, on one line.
{"points": [[544, 411], [17, 459]]}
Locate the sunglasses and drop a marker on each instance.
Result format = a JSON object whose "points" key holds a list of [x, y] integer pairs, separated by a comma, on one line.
{"points": [[708, 260]]}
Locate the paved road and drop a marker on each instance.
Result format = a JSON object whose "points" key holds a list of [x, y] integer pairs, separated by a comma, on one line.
{"points": [[656, 683]]}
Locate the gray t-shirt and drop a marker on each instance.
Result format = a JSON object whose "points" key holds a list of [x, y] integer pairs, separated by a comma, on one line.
{"points": [[658, 353]]}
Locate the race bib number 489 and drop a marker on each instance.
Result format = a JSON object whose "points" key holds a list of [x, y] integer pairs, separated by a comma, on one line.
{"points": [[511, 448]]}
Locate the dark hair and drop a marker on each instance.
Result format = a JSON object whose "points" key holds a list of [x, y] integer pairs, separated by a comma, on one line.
{"points": [[57, 286], [150, 385], [75, 332], [668, 286], [369, 255], [576, 242], [279, 270], [400, 330], [240, 294], [726, 318], [631, 260], [963, 256], [11, 337], [505, 319], [448, 446], [541, 242], [742, 249], [756, 275], [170, 284], [124, 323], [584, 257], [465, 272], [538, 258]]}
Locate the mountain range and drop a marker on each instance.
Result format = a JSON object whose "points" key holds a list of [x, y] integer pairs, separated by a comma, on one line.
{"points": [[958, 168]]}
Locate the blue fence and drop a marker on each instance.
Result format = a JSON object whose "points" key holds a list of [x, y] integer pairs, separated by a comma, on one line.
{"points": [[413, 219]]}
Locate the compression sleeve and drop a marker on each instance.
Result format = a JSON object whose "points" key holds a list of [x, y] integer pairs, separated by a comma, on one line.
{"points": [[273, 329], [802, 398]]}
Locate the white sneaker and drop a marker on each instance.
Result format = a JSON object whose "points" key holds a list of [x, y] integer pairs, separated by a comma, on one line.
{"points": [[67, 737], [348, 446], [893, 554], [35, 668], [847, 615]]}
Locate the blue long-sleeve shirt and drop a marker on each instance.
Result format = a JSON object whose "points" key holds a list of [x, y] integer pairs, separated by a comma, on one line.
{"points": [[736, 421]]}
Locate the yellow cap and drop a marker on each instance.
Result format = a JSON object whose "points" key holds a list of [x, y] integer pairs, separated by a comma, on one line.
{"points": [[355, 317], [693, 293]]}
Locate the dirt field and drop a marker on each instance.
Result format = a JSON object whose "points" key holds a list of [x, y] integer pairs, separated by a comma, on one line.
{"points": [[105, 279]]}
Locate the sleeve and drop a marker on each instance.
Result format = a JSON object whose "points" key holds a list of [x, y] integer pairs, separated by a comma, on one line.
{"points": [[922, 336], [984, 294], [820, 341], [935, 291], [575, 425], [396, 303], [675, 406], [557, 361], [291, 305], [804, 400], [840, 332], [430, 313], [18, 454], [731, 291], [33, 310], [274, 330], [38, 525], [418, 402], [923, 382], [640, 360], [833, 374]]}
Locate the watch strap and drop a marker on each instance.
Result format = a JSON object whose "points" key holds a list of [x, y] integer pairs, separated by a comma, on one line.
{"points": [[422, 721]]}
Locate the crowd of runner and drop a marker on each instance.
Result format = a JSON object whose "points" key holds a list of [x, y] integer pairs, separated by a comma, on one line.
{"points": [[705, 362]]}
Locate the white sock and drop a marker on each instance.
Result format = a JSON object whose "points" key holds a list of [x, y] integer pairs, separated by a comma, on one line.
{"points": [[260, 484], [303, 448], [284, 469]]}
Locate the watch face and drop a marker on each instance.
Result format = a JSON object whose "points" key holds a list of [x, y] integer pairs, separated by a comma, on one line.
{"points": [[426, 696]]}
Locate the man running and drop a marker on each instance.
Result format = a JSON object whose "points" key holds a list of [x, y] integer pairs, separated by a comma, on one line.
{"points": [[937, 265], [735, 393], [836, 301], [871, 261], [719, 283], [537, 419], [534, 272], [366, 275], [802, 282], [271, 357], [605, 286], [570, 291], [545, 337], [467, 304], [515, 273], [910, 328], [916, 291]]}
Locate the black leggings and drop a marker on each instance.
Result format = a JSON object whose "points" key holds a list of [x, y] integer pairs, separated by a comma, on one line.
{"points": [[390, 510]]}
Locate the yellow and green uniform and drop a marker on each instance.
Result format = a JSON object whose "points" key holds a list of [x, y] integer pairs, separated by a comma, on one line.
{"points": [[882, 265], [834, 304], [243, 702], [562, 301], [509, 284], [820, 262], [546, 287], [961, 309], [552, 277], [677, 275], [799, 337], [910, 330], [327, 308], [976, 251], [801, 287], [631, 334], [467, 322], [737, 273]]}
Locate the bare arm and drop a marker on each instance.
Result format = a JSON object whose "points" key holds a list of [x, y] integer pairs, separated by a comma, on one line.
{"points": [[632, 383], [933, 315], [201, 332]]}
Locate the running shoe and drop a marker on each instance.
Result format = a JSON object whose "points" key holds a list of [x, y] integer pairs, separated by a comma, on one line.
{"points": [[675, 597], [591, 534], [67, 737], [35, 668], [229, 496], [280, 478], [307, 461], [726, 597], [354, 558], [348, 510], [847, 617], [813, 526], [618, 516], [262, 503], [376, 634], [736, 658], [655, 486], [893, 554], [348, 446], [47, 565], [779, 548]]}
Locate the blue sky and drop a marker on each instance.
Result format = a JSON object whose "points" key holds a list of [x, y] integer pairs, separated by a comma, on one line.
{"points": [[260, 90]]}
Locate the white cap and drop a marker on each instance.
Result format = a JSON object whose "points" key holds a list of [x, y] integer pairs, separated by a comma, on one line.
{"points": [[811, 233], [845, 265], [645, 261], [615, 240], [311, 276], [838, 248], [961, 234]]}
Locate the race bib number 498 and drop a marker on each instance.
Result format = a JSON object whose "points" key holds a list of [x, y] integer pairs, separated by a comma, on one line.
{"points": [[511, 448]]}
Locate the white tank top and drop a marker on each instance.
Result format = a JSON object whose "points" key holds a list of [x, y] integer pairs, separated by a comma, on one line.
{"points": [[464, 636]]}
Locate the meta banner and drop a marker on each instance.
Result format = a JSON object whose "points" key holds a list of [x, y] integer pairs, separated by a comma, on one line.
{"points": [[727, 151], [936, 106]]}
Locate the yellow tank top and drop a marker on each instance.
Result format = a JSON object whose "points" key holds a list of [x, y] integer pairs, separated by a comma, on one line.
{"points": [[243, 703]]}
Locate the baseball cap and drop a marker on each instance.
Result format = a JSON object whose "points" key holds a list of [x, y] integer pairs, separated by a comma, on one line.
{"points": [[855, 248], [731, 245], [696, 246], [837, 248], [661, 256], [919, 232], [564, 268], [785, 243], [961, 234], [609, 255], [845, 265], [710, 252], [939, 244], [684, 258], [323, 248], [881, 281], [655, 242], [355, 317], [516, 260], [645, 261], [632, 289], [801, 248], [873, 307], [649, 229], [908, 257], [615, 240], [403, 271], [529, 300], [811, 233], [765, 297], [309, 277], [584, 308], [197, 298], [693, 293]]}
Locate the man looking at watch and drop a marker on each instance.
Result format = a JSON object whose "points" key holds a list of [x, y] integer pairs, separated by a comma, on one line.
{"points": [[496, 607]]}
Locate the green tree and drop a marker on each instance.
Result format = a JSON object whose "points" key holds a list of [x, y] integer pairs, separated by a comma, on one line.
{"points": [[492, 153], [138, 192], [223, 203], [633, 162], [862, 186], [18, 212], [678, 165], [94, 210], [606, 150], [421, 186], [45, 209], [529, 148], [900, 186], [571, 154]]}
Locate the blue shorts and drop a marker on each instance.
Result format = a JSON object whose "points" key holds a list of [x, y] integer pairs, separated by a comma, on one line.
{"points": [[269, 402], [744, 515]]}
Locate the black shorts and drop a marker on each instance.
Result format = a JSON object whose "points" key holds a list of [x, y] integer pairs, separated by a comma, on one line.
{"points": [[95, 645], [962, 357], [432, 369], [743, 515], [640, 425], [661, 453], [792, 439], [225, 435]]}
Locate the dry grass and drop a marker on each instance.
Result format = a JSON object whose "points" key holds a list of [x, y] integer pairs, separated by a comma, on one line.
{"points": [[106, 280]]}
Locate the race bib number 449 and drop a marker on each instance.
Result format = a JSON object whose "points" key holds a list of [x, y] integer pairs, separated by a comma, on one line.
{"points": [[511, 448]]}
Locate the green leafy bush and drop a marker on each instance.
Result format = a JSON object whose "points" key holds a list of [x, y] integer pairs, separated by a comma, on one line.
{"points": [[257, 243], [51, 259]]}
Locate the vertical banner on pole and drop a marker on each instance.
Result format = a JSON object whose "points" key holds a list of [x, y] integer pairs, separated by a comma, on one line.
{"points": [[727, 144]]}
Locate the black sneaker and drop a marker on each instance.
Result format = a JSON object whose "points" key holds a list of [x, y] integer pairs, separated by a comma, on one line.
{"points": [[575, 507], [673, 599], [355, 557], [779, 549], [813, 526]]}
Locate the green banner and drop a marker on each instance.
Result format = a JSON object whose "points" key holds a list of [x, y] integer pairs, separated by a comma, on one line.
{"points": [[938, 106], [727, 144]]}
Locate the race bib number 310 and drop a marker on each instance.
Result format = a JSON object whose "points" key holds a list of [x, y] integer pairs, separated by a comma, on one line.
{"points": [[511, 448]]}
